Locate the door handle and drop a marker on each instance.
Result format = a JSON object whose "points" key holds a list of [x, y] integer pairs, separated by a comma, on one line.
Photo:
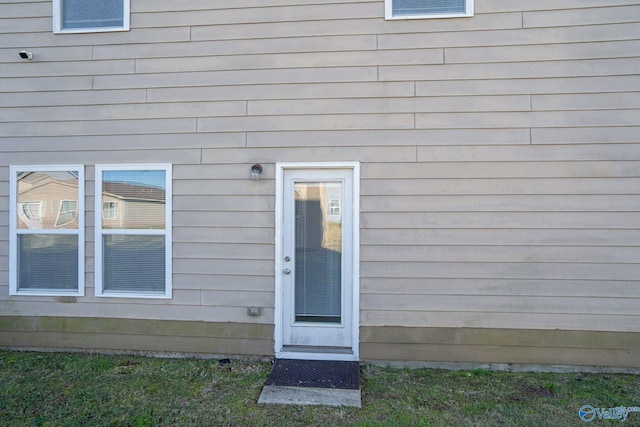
{"points": [[286, 271]]}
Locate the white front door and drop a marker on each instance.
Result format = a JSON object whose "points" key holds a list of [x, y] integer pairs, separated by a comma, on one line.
{"points": [[316, 265]]}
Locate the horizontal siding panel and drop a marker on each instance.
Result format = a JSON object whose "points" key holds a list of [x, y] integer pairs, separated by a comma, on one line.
{"points": [[594, 16], [214, 234], [168, 5], [310, 154], [284, 91], [374, 25], [144, 310], [218, 203], [499, 304], [530, 153], [71, 68], [24, 10], [505, 337], [97, 157], [215, 172], [554, 86], [128, 111], [584, 322], [141, 35], [546, 52], [307, 122], [540, 69], [599, 101], [37, 84], [71, 97], [500, 237], [221, 282], [239, 251], [26, 25], [223, 219], [506, 169], [502, 287], [622, 358], [118, 143], [503, 203], [485, 253], [224, 187], [235, 298], [102, 127], [534, 5], [224, 267], [520, 270], [500, 186], [534, 119], [234, 47], [138, 343], [390, 105], [53, 54], [537, 36], [530, 220], [590, 135], [151, 327], [389, 137], [311, 75], [249, 15], [292, 60]]}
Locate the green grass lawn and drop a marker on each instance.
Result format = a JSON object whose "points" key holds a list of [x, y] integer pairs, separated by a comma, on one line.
{"points": [[59, 389]]}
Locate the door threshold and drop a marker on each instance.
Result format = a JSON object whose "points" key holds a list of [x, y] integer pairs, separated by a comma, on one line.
{"points": [[314, 349], [317, 353]]}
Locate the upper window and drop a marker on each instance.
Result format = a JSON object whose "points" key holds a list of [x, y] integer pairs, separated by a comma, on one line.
{"points": [[408, 9], [46, 242], [133, 234], [81, 16]]}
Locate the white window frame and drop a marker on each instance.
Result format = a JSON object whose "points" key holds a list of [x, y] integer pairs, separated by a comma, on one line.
{"points": [[388, 12], [14, 231], [100, 232], [58, 21]]}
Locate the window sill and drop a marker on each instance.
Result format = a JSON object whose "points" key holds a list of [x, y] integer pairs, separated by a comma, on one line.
{"points": [[90, 30], [438, 16]]}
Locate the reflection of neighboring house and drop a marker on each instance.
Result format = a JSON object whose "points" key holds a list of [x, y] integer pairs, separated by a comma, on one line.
{"points": [[132, 206], [47, 200]]}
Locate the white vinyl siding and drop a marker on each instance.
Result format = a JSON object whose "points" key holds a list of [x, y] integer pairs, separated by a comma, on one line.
{"points": [[46, 243], [404, 9], [82, 16], [133, 249]]}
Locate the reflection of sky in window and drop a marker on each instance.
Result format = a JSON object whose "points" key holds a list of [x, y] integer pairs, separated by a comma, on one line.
{"points": [[146, 178]]}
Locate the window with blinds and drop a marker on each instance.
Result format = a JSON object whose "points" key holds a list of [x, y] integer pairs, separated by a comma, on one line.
{"points": [[46, 230], [406, 9], [90, 15], [133, 234]]}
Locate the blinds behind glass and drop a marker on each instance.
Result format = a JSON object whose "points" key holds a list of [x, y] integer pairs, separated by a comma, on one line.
{"points": [[134, 263], [92, 13], [47, 262], [427, 7]]}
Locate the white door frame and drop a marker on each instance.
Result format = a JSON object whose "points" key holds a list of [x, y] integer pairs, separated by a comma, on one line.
{"points": [[355, 236]]}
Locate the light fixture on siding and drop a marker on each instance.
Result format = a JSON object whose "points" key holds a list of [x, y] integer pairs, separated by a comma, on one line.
{"points": [[25, 54], [256, 170]]}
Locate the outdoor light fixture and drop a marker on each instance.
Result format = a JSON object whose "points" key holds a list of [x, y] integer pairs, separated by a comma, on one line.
{"points": [[256, 170], [25, 54]]}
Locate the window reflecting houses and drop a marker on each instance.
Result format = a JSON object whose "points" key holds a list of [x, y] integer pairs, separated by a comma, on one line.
{"points": [[47, 200]]}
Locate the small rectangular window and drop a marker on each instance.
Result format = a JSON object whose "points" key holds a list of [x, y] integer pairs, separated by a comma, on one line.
{"points": [[133, 234], [412, 9], [46, 243], [82, 16]]}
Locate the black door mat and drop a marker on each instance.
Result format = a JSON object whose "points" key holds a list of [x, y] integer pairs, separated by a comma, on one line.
{"points": [[315, 373]]}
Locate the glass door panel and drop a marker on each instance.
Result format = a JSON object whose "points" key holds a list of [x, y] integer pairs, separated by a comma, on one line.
{"points": [[318, 252]]}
